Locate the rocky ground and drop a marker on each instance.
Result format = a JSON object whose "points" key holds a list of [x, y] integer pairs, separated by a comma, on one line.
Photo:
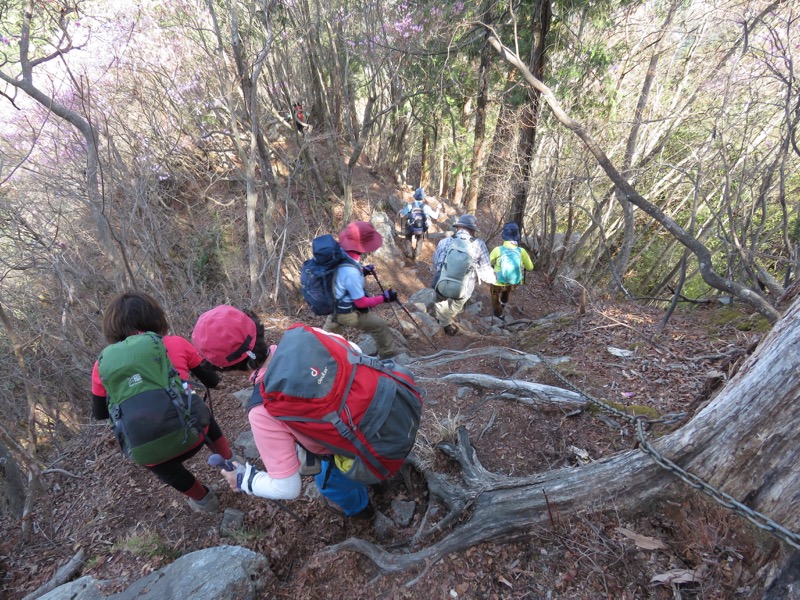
{"points": [[130, 525]]}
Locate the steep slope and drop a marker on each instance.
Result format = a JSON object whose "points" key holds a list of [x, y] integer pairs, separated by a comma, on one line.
{"points": [[129, 525]]}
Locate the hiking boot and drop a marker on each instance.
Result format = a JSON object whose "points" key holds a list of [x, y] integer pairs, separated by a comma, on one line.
{"points": [[209, 503], [380, 488], [366, 513], [451, 329]]}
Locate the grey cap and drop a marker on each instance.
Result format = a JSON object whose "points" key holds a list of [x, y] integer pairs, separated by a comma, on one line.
{"points": [[468, 222]]}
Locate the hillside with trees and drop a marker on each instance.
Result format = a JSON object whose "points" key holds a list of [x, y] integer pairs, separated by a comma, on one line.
{"points": [[649, 152]]}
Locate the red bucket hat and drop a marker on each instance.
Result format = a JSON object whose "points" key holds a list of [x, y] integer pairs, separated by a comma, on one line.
{"points": [[224, 335], [360, 236]]}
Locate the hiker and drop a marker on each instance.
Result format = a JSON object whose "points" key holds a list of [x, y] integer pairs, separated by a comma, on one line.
{"points": [[416, 216], [459, 262], [224, 330], [352, 304], [508, 261], [299, 117], [133, 313]]}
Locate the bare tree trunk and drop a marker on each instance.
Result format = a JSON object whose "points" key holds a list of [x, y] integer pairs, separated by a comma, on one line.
{"points": [[28, 454], [255, 156], [114, 251], [620, 265], [424, 161], [358, 148], [476, 168], [540, 25], [497, 174], [742, 444], [710, 276]]}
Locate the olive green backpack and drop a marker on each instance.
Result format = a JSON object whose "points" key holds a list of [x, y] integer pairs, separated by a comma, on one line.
{"points": [[153, 413]]}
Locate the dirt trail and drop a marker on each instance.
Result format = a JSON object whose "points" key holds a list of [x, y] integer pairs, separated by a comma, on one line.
{"points": [[130, 525]]}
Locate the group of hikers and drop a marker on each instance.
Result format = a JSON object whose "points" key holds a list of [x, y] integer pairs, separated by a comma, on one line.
{"points": [[319, 405]]}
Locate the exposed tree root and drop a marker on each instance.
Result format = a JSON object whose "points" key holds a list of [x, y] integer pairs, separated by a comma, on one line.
{"points": [[526, 392], [506, 508], [741, 446], [433, 362]]}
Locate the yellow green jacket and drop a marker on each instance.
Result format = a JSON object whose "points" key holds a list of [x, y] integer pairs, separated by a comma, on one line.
{"points": [[526, 261]]}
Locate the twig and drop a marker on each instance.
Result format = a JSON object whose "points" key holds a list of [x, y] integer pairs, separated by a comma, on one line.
{"points": [[62, 576], [61, 472]]}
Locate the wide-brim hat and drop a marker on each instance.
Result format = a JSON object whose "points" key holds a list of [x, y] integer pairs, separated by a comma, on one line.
{"points": [[361, 237], [224, 335], [511, 232], [468, 222]]}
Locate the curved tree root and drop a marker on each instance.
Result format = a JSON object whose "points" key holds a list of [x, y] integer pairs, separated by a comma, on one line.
{"points": [[507, 508]]}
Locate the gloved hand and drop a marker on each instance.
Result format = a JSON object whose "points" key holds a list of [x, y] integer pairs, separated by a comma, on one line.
{"points": [[368, 270], [234, 476], [244, 478], [389, 295]]}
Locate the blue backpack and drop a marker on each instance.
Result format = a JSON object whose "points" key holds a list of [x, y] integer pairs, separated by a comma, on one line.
{"points": [[510, 271], [316, 277]]}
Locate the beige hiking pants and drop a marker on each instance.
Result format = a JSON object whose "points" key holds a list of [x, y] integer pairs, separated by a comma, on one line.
{"points": [[368, 323], [447, 309]]}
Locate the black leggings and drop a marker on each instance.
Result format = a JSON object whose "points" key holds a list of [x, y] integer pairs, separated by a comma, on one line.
{"points": [[173, 473]]}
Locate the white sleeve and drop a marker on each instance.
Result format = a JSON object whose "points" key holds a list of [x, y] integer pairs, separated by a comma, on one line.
{"points": [[259, 483]]}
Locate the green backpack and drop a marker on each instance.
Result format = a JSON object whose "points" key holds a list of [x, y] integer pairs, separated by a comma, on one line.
{"points": [[154, 415], [452, 281]]}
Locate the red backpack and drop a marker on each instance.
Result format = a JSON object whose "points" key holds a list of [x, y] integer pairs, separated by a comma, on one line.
{"points": [[357, 406]]}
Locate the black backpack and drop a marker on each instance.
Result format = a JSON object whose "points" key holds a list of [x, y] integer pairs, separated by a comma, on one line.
{"points": [[417, 219]]}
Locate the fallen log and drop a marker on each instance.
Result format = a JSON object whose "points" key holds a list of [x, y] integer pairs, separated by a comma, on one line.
{"points": [[527, 392], [434, 362], [740, 450]]}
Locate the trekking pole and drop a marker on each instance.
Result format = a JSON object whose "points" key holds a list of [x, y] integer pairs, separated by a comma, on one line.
{"points": [[413, 320], [216, 460]]}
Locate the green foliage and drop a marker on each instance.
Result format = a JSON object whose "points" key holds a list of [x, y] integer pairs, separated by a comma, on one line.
{"points": [[246, 536], [207, 267], [146, 544], [794, 230], [739, 319]]}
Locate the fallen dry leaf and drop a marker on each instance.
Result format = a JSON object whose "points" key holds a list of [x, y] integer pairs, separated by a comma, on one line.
{"points": [[642, 541], [677, 576]]}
